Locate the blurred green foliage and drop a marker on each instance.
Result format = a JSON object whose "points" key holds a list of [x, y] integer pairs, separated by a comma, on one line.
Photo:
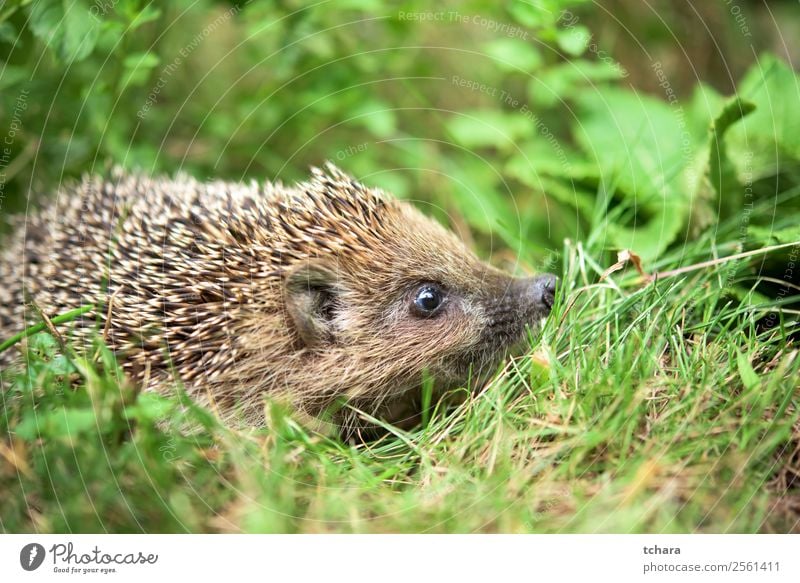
{"points": [[510, 118]]}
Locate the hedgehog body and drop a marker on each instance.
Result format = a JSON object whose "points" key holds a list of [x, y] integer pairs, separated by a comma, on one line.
{"points": [[323, 292]]}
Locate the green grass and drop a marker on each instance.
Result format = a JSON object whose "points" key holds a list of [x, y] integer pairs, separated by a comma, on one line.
{"points": [[665, 407], [641, 408]]}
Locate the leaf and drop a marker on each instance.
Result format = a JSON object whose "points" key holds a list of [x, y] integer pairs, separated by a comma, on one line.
{"points": [[74, 421], [8, 33], [8, 9], [12, 75], [378, 117], [720, 169], [769, 235], [71, 33], [150, 407], [148, 14], [566, 80], [749, 377], [540, 155], [476, 190], [139, 67], [766, 140], [541, 367], [513, 54], [641, 146], [716, 174], [489, 127], [80, 33], [64, 422], [704, 105], [530, 15], [145, 60], [552, 168], [574, 40]]}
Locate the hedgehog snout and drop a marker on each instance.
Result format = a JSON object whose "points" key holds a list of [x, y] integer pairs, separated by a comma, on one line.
{"points": [[540, 291]]}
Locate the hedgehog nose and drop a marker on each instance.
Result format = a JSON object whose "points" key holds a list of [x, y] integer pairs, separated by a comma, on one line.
{"points": [[542, 289]]}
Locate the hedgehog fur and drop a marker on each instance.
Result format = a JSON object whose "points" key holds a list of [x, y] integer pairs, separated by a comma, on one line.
{"points": [[306, 293]]}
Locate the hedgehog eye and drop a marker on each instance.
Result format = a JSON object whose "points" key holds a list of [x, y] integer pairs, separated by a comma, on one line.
{"points": [[427, 301]]}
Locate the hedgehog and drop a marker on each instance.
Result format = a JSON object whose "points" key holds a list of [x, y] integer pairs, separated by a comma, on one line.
{"points": [[331, 296]]}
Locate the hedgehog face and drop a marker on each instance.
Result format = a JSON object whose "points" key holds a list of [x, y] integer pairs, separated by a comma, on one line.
{"points": [[413, 301]]}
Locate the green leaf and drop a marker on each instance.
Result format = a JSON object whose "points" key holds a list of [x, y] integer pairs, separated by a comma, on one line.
{"points": [[548, 156], [574, 40], [68, 29], [139, 67], [721, 170], [704, 105], [567, 80], [150, 407], [80, 33], [144, 60], [12, 75], [749, 376], [65, 422], [770, 236], [148, 14], [475, 187], [769, 138], [8, 33], [378, 117], [550, 167], [712, 173], [9, 8], [530, 14], [513, 54], [489, 127], [641, 146]]}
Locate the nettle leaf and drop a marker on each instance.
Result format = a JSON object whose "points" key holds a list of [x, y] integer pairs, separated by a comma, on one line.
{"points": [[139, 67], [530, 15], [769, 236], [150, 407], [69, 30], [542, 13], [550, 166], [721, 170], [7, 9], [485, 202], [8, 33], [513, 54], [642, 146], [13, 75], [566, 80], [705, 104], [489, 127], [713, 175], [574, 40], [143, 60], [61, 423], [148, 14], [377, 116], [770, 137]]}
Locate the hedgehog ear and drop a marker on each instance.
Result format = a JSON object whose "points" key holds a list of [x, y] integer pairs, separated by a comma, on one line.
{"points": [[311, 300]]}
